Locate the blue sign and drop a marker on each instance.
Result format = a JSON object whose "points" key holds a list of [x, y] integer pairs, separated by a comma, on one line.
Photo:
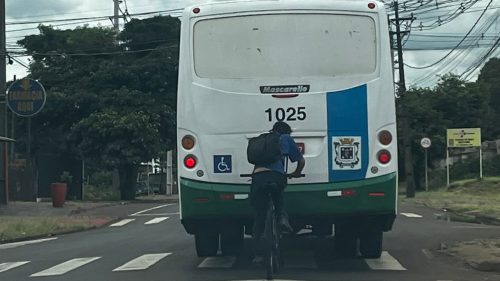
{"points": [[222, 164], [26, 97]]}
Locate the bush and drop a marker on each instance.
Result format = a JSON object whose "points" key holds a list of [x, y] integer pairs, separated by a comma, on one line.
{"points": [[101, 193]]}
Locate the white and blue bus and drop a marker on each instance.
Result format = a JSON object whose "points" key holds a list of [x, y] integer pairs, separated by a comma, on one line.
{"points": [[322, 66]]}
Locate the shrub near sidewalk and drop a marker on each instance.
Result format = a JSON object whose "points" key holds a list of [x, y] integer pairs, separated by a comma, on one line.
{"points": [[16, 228]]}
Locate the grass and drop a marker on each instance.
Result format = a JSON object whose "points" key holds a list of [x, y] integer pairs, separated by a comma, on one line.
{"points": [[466, 198], [15, 228]]}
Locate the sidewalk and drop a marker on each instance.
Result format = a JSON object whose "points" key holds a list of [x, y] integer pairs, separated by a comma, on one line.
{"points": [[28, 220]]}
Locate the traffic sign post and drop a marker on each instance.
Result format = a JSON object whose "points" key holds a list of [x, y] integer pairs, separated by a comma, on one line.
{"points": [[463, 138], [26, 98], [426, 143]]}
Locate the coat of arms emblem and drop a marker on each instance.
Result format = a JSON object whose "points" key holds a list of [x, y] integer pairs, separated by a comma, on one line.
{"points": [[347, 153]]}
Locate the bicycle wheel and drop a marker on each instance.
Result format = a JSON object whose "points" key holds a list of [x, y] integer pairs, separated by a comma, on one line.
{"points": [[269, 242]]}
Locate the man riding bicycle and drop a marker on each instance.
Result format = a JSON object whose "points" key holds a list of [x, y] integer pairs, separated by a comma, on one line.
{"points": [[274, 175]]}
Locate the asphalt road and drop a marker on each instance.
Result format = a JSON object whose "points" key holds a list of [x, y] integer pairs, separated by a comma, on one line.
{"points": [[150, 244]]}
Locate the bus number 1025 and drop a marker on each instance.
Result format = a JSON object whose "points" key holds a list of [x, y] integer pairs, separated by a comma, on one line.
{"points": [[288, 114]]}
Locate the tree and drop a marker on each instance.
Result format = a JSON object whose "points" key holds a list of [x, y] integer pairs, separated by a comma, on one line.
{"points": [[111, 97]]}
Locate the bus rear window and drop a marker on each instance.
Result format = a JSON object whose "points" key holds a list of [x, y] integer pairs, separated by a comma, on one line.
{"points": [[284, 45]]}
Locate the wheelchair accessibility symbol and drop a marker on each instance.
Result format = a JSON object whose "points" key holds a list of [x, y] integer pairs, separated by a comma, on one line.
{"points": [[222, 164]]}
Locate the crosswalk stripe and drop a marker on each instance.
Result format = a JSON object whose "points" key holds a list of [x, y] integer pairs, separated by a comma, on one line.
{"points": [[411, 215], [217, 262], [156, 220], [142, 262], [65, 267], [385, 262], [10, 265], [122, 222]]}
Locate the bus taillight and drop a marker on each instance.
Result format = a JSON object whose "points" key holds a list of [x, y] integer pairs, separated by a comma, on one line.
{"points": [[385, 137], [188, 142], [371, 5], [384, 156], [190, 161]]}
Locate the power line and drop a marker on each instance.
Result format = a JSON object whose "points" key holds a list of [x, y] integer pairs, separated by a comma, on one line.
{"points": [[465, 37], [91, 18]]}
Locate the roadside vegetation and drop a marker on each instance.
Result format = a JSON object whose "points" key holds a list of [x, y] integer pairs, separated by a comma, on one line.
{"points": [[472, 200], [16, 228]]}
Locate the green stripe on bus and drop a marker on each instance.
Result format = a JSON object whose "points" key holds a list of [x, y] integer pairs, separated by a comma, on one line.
{"points": [[201, 200]]}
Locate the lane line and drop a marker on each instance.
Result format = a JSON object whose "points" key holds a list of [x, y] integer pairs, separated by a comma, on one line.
{"points": [[411, 215], [142, 262], [428, 254], [19, 244], [10, 265], [218, 262], [474, 227], [385, 262], [150, 209], [156, 215], [122, 222], [65, 267], [156, 220]]}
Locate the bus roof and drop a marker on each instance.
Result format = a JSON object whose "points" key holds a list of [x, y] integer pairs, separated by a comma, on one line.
{"points": [[211, 7]]}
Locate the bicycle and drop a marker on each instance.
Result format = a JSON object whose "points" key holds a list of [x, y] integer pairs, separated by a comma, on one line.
{"points": [[272, 234]]}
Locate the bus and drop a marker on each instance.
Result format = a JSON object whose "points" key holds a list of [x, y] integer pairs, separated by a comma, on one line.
{"points": [[322, 66]]}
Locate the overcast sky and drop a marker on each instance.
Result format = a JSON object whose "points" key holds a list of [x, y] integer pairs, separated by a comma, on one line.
{"points": [[450, 33]]}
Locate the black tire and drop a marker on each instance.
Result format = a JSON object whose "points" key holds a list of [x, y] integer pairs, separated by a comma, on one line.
{"points": [[370, 244], [207, 243], [346, 241], [231, 240]]}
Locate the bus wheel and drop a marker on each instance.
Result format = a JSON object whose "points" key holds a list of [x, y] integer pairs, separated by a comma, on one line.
{"points": [[370, 244], [207, 243], [231, 240], [346, 241]]}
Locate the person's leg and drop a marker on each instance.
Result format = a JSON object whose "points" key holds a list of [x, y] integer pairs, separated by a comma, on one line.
{"points": [[279, 202], [258, 200]]}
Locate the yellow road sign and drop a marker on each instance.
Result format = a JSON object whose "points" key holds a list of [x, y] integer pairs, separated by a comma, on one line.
{"points": [[465, 137]]}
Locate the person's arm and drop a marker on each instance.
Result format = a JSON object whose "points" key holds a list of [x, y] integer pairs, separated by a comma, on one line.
{"points": [[300, 166]]}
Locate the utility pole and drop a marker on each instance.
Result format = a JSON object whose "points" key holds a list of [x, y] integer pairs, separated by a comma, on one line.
{"points": [[116, 22], [3, 105], [408, 159]]}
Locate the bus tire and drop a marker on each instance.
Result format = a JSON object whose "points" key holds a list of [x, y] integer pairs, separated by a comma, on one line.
{"points": [[370, 244], [231, 240], [346, 241], [207, 243]]}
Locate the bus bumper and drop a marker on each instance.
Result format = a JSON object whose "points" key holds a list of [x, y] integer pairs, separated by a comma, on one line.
{"points": [[369, 201]]}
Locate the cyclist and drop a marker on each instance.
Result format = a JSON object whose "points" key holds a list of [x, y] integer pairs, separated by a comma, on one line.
{"points": [[273, 174]]}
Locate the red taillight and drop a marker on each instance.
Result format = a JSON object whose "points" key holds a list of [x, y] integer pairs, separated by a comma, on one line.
{"points": [[190, 161], [348, 192], [384, 156], [371, 5], [196, 10], [227, 196], [376, 194]]}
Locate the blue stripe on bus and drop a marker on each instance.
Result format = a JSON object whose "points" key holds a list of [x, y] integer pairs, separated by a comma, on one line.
{"points": [[347, 112]]}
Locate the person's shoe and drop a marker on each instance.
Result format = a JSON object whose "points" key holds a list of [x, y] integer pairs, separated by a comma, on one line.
{"points": [[258, 261], [285, 226]]}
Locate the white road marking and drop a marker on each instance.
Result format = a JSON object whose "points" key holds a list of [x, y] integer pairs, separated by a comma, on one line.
{"points": [[474, 227], [18, 244], [411, 215], [10, 265], [65, 267], [385, 262], [150, 209], [142, 262], [156, 220], [217, 262], [156, 215], [428, 253], [122, 222]]}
